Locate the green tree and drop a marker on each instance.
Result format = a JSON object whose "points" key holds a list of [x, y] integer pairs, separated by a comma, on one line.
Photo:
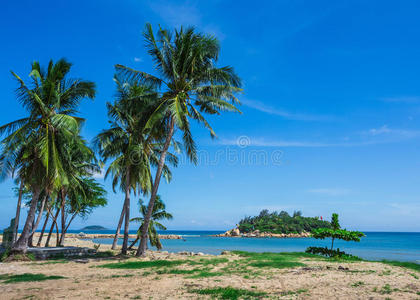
{"points": [[132, 149], [190, 84], [335, 232], [35, 144], [159, 213]]}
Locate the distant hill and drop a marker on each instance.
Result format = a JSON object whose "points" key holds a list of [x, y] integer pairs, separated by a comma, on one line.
{"points": [[281, 222], [93, 227]]}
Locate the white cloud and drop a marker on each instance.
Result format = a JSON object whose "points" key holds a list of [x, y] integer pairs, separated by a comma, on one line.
{"points": [[385, 130], [330, 191], [99, 175], [283, 113], [138, 59]]}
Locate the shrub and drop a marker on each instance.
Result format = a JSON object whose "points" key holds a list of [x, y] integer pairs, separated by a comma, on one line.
{"points": [[335, 232]]}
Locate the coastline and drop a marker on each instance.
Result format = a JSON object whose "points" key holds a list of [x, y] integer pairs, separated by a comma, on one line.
{"points": [[163, 275]]}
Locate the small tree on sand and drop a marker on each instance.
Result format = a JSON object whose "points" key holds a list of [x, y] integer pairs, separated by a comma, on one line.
{"points": [[335, 232]]}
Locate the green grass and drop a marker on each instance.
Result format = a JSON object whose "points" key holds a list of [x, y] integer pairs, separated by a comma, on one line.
{"points": [[408, 265], [357, 284], [272, 260], [211, 261], [143, 264], [26, 277], [229, 293], [206, 274]]}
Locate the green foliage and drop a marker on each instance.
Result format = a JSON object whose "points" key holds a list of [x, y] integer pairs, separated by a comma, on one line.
{"points": [[229, 293], [281, 222], [144, 264], [27, 277], [158, 213], [335, 253], [270, 260], [335, 232], [408, 265]]}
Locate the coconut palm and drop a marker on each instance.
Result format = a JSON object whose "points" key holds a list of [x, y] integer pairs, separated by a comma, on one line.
{"points": [[159, 213], [132, 149], [190, 85], [35, 145]]}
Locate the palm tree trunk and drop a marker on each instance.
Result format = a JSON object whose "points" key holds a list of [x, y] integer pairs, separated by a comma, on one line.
{"points": [[141, 251], [52, 227], [63, 218], [41, 211], [21, 245], [133, 243], [15, 230], [43, 229], [117, 233], [127, 213], [63, 233]]}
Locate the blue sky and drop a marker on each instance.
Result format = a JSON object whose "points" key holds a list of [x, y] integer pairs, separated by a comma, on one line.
{"points": [[331, 103]]}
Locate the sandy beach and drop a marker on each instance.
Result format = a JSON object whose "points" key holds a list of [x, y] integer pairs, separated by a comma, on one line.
{"points": [[162, 275]]}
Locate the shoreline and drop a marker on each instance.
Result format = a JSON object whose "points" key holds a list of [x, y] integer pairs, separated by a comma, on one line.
{"points": [[163, 275], [235, 233]]}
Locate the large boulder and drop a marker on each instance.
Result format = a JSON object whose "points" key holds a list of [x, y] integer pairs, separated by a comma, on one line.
{"points": [[235, 232]]}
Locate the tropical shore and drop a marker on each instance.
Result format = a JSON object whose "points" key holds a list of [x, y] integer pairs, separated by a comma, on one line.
{"points": [[163, 275]]}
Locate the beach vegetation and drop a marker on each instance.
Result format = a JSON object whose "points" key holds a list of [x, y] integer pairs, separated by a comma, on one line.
{"points": [[335, 232], [190, 84], [132, 145], [159, 213], [403, 264], [15, 278], [281, 222], [230, 293]]}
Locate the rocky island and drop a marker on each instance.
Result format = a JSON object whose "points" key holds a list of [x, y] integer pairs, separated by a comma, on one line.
{"points": [[276, 225]]}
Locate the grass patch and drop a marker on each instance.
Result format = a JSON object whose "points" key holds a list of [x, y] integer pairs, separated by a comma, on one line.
{"points": [[414, 275], [273, 260], [144, 264], [27, 277], [121, 276], [230, 293], [357, 284], [408, 265], [211, 261], [287, 293], [206, 274]]}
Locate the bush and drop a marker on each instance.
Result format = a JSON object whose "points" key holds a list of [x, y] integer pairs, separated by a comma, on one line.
{"points": [[335, 232]]}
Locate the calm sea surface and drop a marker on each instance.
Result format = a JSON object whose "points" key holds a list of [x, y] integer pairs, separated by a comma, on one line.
{"points": [[402, 246]]}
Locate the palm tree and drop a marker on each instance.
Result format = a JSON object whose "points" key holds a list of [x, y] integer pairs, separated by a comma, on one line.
{"points": [[132, 149], [158, 214], [36, 144], [191, 84]]}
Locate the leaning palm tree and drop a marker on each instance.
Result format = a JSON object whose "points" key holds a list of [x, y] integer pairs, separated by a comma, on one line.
{"points": [[159, 213], [131, 149], [36, 144], [190, 84]]}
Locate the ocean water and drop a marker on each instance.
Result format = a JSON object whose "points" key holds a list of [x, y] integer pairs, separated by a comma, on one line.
{"points": [[402, 246]]}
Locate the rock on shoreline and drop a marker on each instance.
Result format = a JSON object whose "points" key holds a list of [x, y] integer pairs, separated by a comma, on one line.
{"points": [[256, 233]]}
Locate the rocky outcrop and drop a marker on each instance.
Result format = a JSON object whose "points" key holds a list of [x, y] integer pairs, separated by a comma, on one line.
{"points": [[257, 234]]}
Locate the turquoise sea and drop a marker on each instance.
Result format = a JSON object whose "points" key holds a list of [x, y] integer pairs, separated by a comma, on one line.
{"points": [[402, 246]]}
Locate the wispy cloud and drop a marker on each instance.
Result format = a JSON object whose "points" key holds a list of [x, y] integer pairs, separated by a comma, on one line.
{"points": [[284, 113], [386, 131], [138, 59], [330, 191]]}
